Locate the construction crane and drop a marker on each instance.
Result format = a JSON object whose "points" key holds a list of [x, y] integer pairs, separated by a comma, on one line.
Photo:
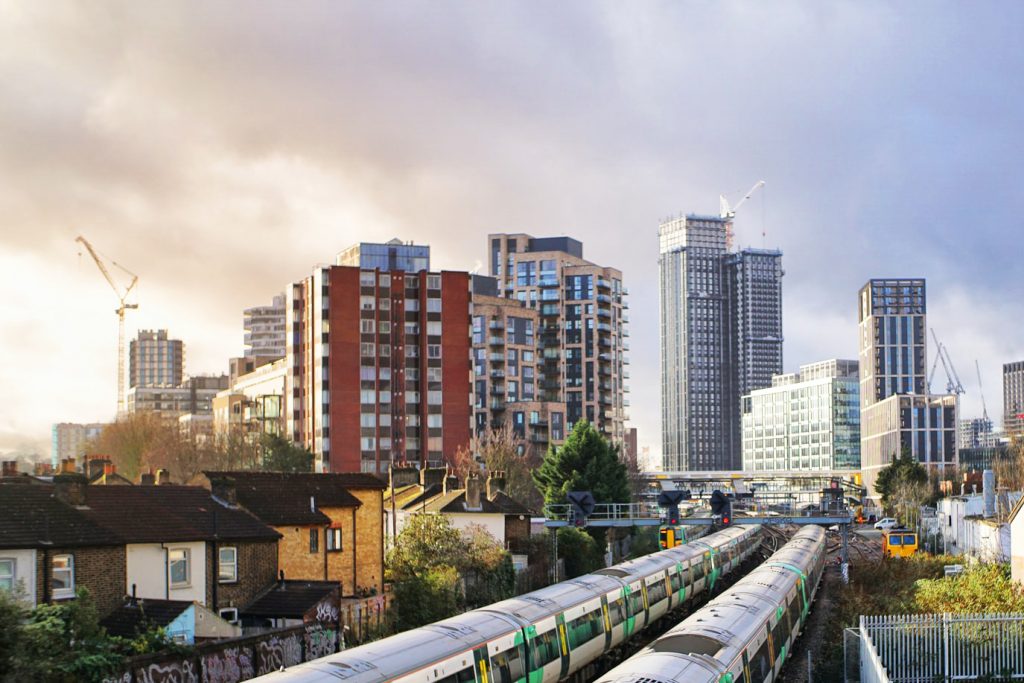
{"points": [[729, 212], [122, 297], [984, 409], [953, 385]]}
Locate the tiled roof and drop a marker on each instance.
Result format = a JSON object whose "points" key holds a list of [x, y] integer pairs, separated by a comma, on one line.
{"points": [[31, 517], [455, 501], [412, 497], [139, 615], [155, 514], [278, 498], [290, 599]]}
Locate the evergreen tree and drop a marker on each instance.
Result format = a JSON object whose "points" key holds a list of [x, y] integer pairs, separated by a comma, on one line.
{"points": [[901, 473], [585, 462]]}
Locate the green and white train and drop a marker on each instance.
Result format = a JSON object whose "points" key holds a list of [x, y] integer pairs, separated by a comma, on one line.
{"points": [[546, 635]]}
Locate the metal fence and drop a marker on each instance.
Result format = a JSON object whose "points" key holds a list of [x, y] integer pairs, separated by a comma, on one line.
{"points": [[927, 648]]}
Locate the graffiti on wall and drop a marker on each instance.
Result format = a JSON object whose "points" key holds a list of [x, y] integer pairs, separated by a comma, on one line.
{"points": [[320, 642], [230, 665], [276, 653], [181, 671]]}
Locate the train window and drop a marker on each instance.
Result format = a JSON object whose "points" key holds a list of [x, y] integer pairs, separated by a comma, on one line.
{"points": [[780, 634], [760, 666], [585, 628], [677, 582], [794, 610], [467, 675], [507, 666], [636, 603], [698, 571], [545, 648], [656, 592], [617, 611]]}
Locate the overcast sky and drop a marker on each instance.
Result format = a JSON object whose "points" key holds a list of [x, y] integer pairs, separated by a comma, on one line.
{"points": [[220, 150]]}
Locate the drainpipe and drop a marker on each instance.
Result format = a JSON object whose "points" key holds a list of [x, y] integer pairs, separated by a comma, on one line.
{"points": [[353, 549], [167, 571]]}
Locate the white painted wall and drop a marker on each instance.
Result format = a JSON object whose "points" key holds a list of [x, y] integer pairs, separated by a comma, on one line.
{"points": [[1017, 547], [494, 523], [147, 569], [24, 571]]}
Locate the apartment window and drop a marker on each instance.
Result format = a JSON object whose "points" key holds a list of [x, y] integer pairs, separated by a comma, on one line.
{"points": [[434, 328], [385, 351], [412, 282], [7, 574], [63, 576], [178, 567], [368, 396], [433, 351], [334, 540], [366, 278], [367, 443], [227, 565], [367, 420], [314, 540], [433, 374], [385, 397], [433, 282], [434, 398], [412, 351], [434, 421], [412, 397], [383, 326], [367, 349], [367, 303], [366, 326], [367, 373], [433, 305]]}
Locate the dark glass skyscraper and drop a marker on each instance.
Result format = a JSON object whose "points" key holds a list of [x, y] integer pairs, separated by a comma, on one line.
{"points": [[721, 338]]}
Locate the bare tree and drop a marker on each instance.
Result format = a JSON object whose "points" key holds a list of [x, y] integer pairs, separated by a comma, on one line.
{"points": [[501, 450]]}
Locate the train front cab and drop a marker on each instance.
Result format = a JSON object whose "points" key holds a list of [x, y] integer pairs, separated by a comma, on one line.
{"points": [[899, 543]]}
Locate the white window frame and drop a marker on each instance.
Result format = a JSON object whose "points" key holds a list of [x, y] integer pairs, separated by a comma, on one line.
{"points": [[69, 592], [334, 539], [186, 557], [233, 564], [8, 579]]}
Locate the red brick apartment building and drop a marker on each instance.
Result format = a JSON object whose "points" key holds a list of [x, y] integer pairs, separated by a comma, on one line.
{"points": [[379, 366]]}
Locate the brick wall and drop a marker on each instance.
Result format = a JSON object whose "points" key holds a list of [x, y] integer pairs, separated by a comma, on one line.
{"points": [[369, 538], [293, 554], [257, 569], [517, 533], [100, 569]]}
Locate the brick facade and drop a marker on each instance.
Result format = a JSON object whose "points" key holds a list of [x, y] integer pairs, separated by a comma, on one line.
{"points": [[257, 569], [369, 538], [100, 569]]}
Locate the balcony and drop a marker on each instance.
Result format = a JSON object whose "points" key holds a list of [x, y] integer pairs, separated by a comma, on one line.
{"points": [[604, 327], [548, 283], [605, 370], [625, 331], [496, 341], [604, 357], [498, 405], [539, 424], [605, 341], [497, 390], [496, 325], [498, 374], [625, 305], [604, 298], [538, 438], [603, 284], [496, 357]]}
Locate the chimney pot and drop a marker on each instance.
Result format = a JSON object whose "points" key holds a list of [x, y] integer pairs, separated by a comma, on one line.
{"points": [[163, 477], [10, 468]]}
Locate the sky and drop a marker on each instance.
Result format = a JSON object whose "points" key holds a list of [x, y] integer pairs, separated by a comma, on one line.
{"points": [[220, 150]]}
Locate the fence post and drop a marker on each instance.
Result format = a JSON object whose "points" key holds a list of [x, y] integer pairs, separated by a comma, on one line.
{"points": [[946, 672]]}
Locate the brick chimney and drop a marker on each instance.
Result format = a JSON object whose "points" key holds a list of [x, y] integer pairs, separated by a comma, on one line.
{"points": [[109, 468], [147, 479], [451, 483], [473, 486], [163, 477], [95, 465], [432, 475], [67, 465], [223, 488], [495, 483], [69, 487], [10, 468], [404, 475]]}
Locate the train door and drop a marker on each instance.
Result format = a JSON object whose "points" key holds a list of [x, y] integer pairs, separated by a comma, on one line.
{"points": [[507, 659], [544, 649]]}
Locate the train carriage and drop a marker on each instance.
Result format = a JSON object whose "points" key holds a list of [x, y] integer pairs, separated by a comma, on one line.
{"points": [[546, 635]]}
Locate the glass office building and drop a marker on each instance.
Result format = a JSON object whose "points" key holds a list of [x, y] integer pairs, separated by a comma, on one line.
{"points": [[806, 421]]}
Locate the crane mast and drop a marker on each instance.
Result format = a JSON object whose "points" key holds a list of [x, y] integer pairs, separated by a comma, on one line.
{"points": [[984, 409], [122, 307], [729, 212]]}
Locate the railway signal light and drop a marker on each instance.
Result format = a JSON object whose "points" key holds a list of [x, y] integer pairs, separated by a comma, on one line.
{"points": [[721, 506], [671, 500], [583, 504]]}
